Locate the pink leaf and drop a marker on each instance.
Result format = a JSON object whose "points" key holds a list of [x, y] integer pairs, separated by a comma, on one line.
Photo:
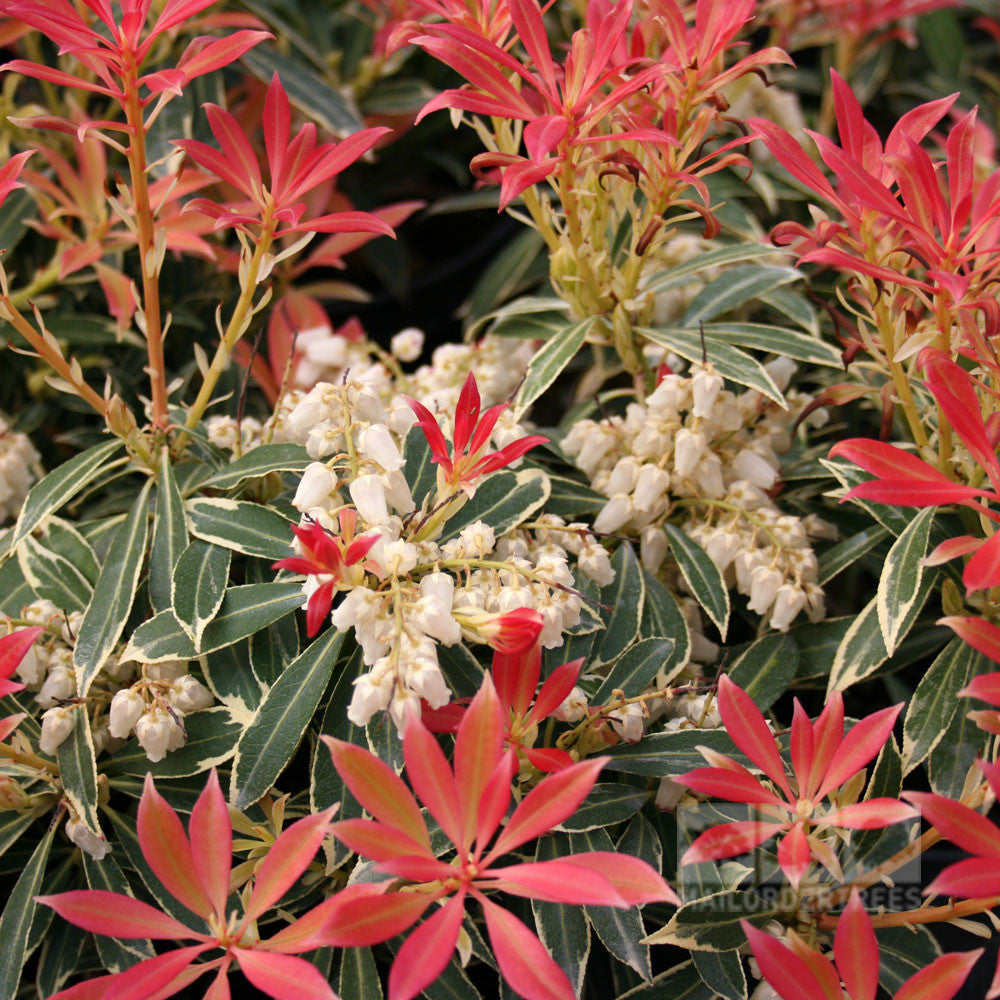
{"points": [[856, 950], [794, 854], [790, 976], [374, 840], [968, 879], [983, 569], [284, 977], [361, 921], [167, 851], [986, 687], [950, 549], [731, 786], [542, 135], [552, 800], [287, 859], [212, 843], [114, 915], [515, 676], [872, 814], [979, 634], [556, 689], [426, 951], [635, 880], [557, 881], [972, 831], [858, 747], [942, 979], [431, 777], [886, 460], [524, 963], [729, 839], [14, 648], [379, 789], [145, 980]]}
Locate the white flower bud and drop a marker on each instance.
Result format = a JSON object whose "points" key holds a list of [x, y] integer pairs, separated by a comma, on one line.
{"points": [[158, 732], [187, 694], [440, 585], [650, 486], [57, 724], [722, 546], [595, 563], [431, 615], [32, 668], [88, 841], [614, 514], [323, 347], [781, 371], [427, 681], [477, 539], [371, 695], [408, 344], [368, 495], [126, 708], [627, 722], [574, 708], [623, 476], [652, 548], [669, 794], [400, 706], [59, 686], [764, 584], [316, 487], [168, 670], [688, 448]]}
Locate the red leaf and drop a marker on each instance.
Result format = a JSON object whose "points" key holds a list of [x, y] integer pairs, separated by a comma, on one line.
{"points": [[950, 549], [557, 881], [426, 951], [983, 569], [374, 840], [794, 854], [284, 977], [858, 747], [986, 687], [556, 689], [749, 731], [552, 800], [478, 753], [14, 648], [972, 831], [856, 950], [548, 759], [431, 777], [167, 851], [287, 859], [791, 977], [872, 814], [979, 634], [636, 881], [942, 979], [362, 921], [729, 785], [913, 493], [115, 915], [212, 843], [968, 879], [729, 839], [145, 980], [523, 961], [515, 676], [886, 460], [379, 789]]}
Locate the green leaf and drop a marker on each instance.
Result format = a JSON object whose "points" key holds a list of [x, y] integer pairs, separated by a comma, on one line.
{"points": [[846, 553], [776, 340], [272, 649], [15, 591], [682, 982], [735, 254], [502, 501], [245, 610], [620, 929], [902, 953], [955, 754], [734, 288], [662, 616], [199, 585], [18, 915], [261, 461], [662, 755], [106, 615], [767, 668], [170, 536], [211, 738], [622, 603], [548, 306], [722, 971], [636, 668], [713, 923], [503, 277], [899, 585], [935, 701], [59, 957], [60, 486], [18, 209], [54, 577], [12, 826], [730, 362], [116, 954], [226, 674], [608, 803], [281, 720], [420, 470], [792, 303], [549, 361], [701, 575], [868, 848], [78, 770], [461, 669], [562, 929], [359, 975], [250, 528], [570, 498], [308, 91]]}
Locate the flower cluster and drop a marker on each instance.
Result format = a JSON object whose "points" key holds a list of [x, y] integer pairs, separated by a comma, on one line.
{"points": [[693, 446], [18, 462]]}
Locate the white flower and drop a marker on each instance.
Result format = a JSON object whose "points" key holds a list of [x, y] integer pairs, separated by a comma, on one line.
{"points": [[408, 344], [651, 483], [705, 387], [595, 563], [368, 495], [669, 793], [316, 487], [574, 708], [88, 841], [323, 347], [688, 448], [627, 722], [168, 670], [764, 584], [431, 615], [652, 548], [158, 732], [781, 371], [57, 724], [614, 514], [187, 694], [377, 445], [477, 539], [126, 708], [790, 600], [402, 703], [399, 557], [32, 668], [623, 476], [59, 685], [754, 469], [397, 492], [427, 681], [359, 607], [722, 545]]}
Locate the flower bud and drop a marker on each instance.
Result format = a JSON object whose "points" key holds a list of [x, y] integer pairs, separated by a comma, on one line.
{"points": [[688, 448], [705, 388], [614, 514], [788, 602], [316, 487], [59, 686], [650, 486], [764, 584], [652, 548], [126, 708], [57, 724], [595, 564], [85, 838], [408, 344], [377, 445], [187, 694], [158, 732], [754, 469], [368, 495]]}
